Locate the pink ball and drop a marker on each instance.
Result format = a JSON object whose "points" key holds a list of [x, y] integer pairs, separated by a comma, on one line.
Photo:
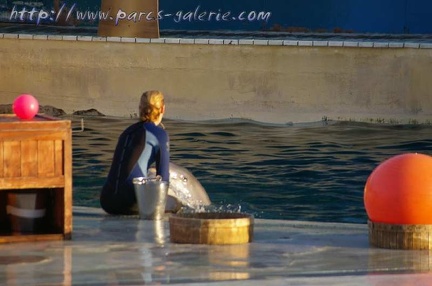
{"points": [[25, 106]]}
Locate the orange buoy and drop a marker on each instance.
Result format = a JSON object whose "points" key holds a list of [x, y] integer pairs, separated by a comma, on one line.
{"points": [[399, 191]]}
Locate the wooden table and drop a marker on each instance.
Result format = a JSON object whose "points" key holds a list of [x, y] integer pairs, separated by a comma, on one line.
{"points": [[36, 157]]}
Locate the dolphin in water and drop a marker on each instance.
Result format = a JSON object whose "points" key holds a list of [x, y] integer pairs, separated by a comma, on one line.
{"points": [[184, 189]]}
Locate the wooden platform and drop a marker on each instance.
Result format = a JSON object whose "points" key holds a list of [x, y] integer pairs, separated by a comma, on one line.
{"points": [[400, 236], [36, 157]]}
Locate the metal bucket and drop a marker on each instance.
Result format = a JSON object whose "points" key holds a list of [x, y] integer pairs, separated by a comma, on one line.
{"points": [[151, 195]]}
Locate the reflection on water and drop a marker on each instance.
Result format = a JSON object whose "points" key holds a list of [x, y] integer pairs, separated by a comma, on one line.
{"points": [[313, 172], [232, 261], [155, 228]]}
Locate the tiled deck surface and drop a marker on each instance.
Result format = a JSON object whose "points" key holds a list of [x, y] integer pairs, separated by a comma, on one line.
{"points": [[107, 250], [89, 34]]}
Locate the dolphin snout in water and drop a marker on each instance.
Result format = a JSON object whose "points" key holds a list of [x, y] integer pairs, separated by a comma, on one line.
{"points": [[184, 189]]}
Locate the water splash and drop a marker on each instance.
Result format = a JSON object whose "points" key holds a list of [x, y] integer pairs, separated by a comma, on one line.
{"points": [[228, 208]]}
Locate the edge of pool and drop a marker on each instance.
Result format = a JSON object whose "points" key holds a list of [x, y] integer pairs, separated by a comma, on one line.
{"points": [[124, 250]]}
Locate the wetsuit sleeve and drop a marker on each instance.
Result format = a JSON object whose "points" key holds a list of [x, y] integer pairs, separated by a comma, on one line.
{"points": [[162, 161]]}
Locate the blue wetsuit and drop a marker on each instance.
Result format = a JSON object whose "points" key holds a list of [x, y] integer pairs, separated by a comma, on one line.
{"points": [[138, 147]]}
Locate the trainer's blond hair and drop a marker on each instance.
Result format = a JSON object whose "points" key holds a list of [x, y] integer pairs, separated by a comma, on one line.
{"points": [[151, 105]]}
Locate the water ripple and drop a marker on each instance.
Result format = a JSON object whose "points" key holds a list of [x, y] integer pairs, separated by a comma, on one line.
{"points": [[300, 172]]}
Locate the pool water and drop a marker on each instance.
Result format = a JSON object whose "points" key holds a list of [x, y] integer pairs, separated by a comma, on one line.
{"points": [[311, 172]]}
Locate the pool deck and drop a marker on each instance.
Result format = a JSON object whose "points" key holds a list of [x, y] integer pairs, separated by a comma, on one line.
{"points": [[108, 250]]}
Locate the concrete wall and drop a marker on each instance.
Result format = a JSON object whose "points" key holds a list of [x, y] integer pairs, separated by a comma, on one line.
{"points": [[266, 81]]}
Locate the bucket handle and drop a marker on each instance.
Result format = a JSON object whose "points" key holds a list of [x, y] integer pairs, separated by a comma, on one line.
{"points": [[144, 180]]}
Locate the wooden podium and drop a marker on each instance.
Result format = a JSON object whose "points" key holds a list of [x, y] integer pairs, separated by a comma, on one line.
{"points": [[35, 159]]}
